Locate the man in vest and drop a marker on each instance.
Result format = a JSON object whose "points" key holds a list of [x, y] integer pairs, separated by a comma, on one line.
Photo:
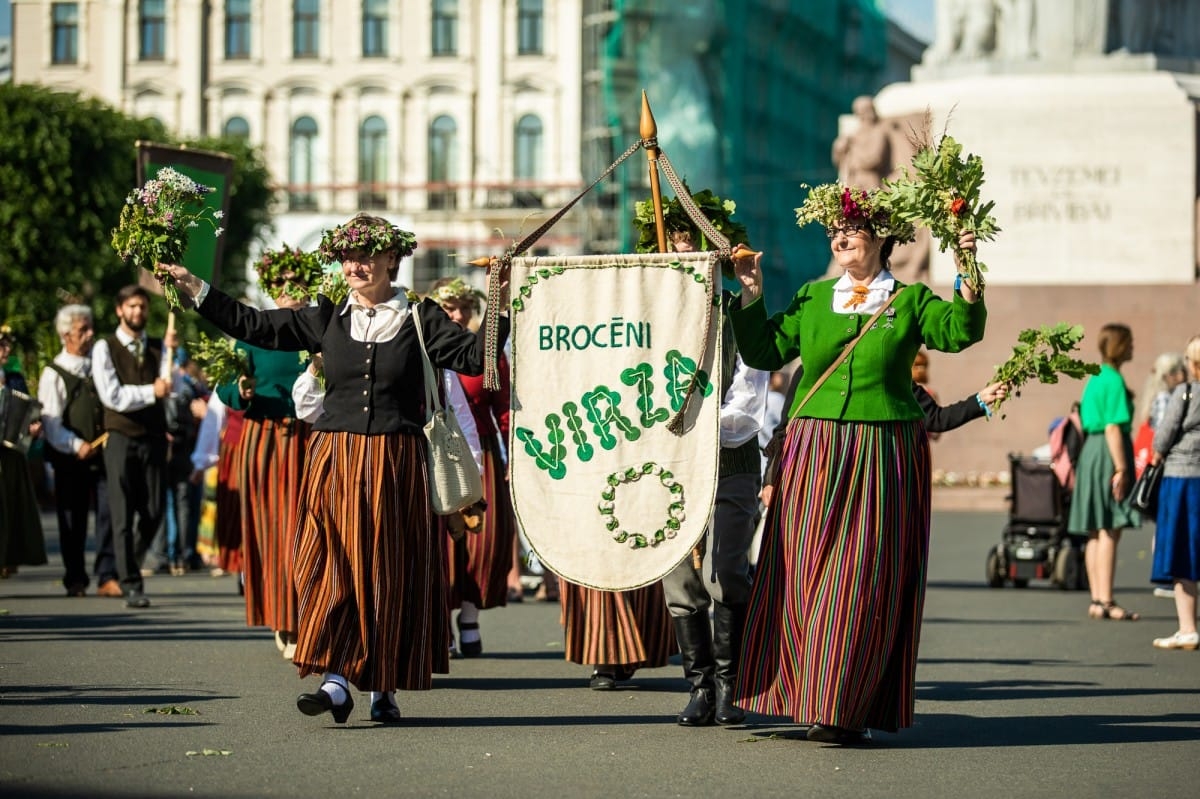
{"points": [[717, 574], [72, 421], [127, 369]]}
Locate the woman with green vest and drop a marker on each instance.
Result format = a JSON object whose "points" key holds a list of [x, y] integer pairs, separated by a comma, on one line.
{"points": [[835, 608]]}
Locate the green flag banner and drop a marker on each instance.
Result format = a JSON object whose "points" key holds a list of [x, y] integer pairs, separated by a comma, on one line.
{"points": [[604, 350], [215, 170]]}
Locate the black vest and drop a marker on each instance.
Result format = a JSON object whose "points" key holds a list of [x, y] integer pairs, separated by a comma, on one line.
{"points": [[144, 421], [82, 414]]}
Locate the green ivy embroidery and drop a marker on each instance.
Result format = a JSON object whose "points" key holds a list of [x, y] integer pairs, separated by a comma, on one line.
{"points": [[675, 511], [525, 290]]}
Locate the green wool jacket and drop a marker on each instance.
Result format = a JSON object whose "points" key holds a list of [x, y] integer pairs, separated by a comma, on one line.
{"points": [[875, 383]]}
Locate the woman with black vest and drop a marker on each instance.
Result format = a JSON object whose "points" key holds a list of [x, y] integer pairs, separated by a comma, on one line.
{"points": [[369, 561]]}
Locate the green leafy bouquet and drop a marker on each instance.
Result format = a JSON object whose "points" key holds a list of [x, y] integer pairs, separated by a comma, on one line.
{"points": [[942, 193], [219, 359], [290, 271], [1043, 354], [675, 218], [154, 224]]}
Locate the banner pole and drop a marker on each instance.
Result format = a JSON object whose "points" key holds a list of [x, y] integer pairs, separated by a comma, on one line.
{"points": [[648, 130]]}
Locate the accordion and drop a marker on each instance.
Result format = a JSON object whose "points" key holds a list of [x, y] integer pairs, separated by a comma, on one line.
{"points": [[17, 412]]}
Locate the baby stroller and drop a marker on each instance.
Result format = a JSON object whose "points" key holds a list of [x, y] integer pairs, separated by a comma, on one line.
{"points": [[1035, 543]]}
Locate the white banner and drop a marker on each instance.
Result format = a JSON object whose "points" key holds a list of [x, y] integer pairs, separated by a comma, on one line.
{"points": [[604, 349]]}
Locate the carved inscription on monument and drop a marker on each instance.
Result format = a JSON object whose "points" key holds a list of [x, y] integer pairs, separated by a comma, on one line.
{"points": [[1064, 193]]}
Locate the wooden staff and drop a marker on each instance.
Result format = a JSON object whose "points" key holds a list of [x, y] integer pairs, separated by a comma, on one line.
{"points": [[168, 353], [648, 129]]}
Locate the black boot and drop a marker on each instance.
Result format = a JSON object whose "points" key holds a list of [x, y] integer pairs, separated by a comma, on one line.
{"points": [[696, 651], [728, 623]]}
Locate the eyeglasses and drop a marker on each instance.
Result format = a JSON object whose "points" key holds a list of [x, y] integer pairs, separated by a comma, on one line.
{"points": [[849, 231]]}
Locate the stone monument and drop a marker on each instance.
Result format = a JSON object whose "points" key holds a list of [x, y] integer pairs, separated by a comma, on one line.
{"points": [[1085, 114]]}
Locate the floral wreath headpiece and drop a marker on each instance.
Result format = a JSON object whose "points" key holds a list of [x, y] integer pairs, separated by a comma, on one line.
{"points": [[290, 271], [833, 204], [6, 334], [368, 234], [716, 210], [458, 291]]}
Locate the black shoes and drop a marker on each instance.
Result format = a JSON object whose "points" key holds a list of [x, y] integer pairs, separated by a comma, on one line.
{"points": [[319, 702], [828, 734], [605, 678], [726, 711], [699, 711], [384, 712], [136, 599], [469, 649]]}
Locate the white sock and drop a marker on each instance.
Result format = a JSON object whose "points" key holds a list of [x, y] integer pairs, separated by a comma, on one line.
{"points": [[390, 695], [335, 685], [469, 614]]}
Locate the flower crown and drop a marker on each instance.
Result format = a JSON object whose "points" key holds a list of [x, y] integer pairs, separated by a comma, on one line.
{"points": [[832, 205], [457, 290], [716, 210], [368, 234], [6, 333], [288, 270]]}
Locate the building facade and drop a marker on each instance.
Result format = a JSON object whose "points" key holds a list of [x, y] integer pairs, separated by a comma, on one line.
{"points": [[459, 118]]}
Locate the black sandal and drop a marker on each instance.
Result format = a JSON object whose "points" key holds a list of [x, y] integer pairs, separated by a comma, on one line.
{"points": [[469, 649], [1124, 615]]}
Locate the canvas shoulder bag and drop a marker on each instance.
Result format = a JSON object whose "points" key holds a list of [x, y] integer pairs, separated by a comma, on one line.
{"points": [[454, 479]]}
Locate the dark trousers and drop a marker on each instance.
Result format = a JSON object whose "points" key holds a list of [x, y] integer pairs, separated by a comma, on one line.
{"points": [[77, 484], [724, 575], [136, 470]]}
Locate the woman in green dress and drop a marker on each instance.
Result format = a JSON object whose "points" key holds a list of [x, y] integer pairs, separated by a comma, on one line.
{"points": [[1104, 474]]}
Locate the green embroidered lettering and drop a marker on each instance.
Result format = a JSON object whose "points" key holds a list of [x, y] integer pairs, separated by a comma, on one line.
{"points": [[680, 371], [642, 376], [550, 461], [583, 450], [603, 411]]}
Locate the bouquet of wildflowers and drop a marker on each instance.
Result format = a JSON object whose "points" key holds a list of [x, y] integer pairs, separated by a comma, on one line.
{"points": [[155, 221], [942, 193], [219, 359], [675, 218], [289, 271], [1043, 354]]}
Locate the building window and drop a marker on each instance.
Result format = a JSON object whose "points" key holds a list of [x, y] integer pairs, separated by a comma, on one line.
{"points": [[372, 163], [374, 28], [443, 134], [237, 29], [65, 36], [445, 27], [433, 263], [306, 23], [529, 27], [236, 128], [152, 30], [301, 165], [527, 160]]}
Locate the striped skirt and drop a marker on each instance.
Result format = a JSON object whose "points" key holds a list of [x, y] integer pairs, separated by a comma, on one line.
{"points": [[369, 564], [272, 464], [229, 504], [617, 628], [835, 609], [480, 562]]}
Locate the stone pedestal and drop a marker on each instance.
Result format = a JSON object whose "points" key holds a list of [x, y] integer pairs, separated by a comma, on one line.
{"points": [[1094, 175]]}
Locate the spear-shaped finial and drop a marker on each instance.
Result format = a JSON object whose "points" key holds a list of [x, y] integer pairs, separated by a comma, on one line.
{"points": [[648, 129]]}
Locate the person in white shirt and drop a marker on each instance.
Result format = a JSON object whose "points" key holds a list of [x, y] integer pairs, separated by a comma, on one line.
{"points": [[72, 423]]}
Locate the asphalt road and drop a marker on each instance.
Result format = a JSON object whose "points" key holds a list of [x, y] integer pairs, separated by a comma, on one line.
{"points": [[1019, 695]]}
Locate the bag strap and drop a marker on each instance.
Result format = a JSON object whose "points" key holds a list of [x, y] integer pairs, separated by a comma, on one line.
{"points": [[432, 403], [849, 348]]}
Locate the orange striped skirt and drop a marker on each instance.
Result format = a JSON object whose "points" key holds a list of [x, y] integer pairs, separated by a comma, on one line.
{"points": [[617, 628], [480, 562], [272, 463], [228, 528], [369, 564]]}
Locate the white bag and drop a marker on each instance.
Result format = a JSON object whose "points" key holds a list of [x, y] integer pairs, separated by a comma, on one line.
{"points": [[454, 479]]}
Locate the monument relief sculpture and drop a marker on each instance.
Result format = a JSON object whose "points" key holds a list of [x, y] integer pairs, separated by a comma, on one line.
{"points": [[964, 30]]}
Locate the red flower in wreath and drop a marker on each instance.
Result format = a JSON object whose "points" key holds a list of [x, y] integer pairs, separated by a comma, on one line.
{"points": [[958, 206]]}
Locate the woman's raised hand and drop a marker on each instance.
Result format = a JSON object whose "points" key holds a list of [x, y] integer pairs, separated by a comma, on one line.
{"points": [[747, 269]]}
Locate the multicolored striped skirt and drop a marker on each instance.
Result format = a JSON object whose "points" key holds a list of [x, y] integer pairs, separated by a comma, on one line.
{"points": [[369, 564], [835, 608], [228, 531], [480, 561], [617, 628], [272, 465]]}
